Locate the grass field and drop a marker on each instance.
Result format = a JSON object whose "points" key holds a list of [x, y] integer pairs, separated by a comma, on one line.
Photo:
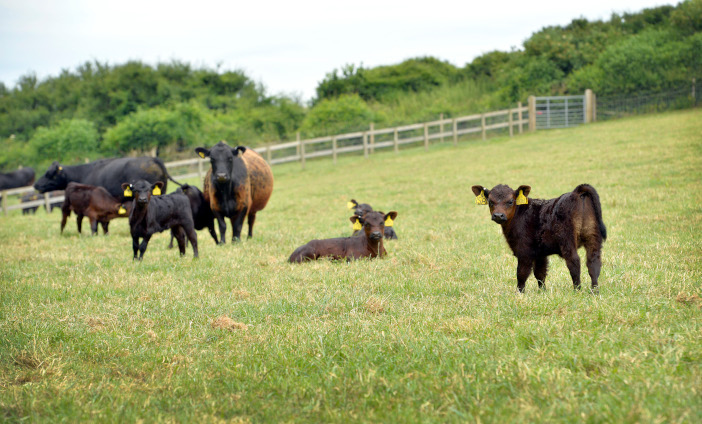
{"points": [[435, 332]]}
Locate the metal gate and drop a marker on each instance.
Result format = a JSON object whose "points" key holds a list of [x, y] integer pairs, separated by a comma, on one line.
{"points": [[559, 111]]}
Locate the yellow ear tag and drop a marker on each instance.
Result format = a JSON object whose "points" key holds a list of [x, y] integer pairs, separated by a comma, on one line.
{"points": [[202, 155], [60, 168], [121, 210], [481, 200], [388, 222], [127, 192], [521, 199], [157, 191], [357, 225], [350, 205]]}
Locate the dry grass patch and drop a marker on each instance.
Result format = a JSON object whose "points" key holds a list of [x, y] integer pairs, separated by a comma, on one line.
{"points": [[226, 323], [375, 306], [689, 299]]}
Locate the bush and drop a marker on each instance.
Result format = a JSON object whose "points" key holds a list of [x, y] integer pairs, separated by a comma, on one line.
{"points": [[69, 141], [333, 116]]}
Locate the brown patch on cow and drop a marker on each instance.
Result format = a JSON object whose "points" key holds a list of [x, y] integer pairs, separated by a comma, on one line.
{"points": [[374, 305], [688, 299], [226, 323]]}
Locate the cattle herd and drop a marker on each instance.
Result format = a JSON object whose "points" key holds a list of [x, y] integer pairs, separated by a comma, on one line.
{"points": [[240, 183]]}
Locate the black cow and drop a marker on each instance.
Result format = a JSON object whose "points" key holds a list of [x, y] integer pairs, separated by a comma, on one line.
{"points": [[20, 178], [154, 214], [202, 214], [107, 173]]}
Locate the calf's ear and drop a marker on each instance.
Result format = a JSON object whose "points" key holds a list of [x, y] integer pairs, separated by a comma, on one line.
{"points": [[202, 152], [352, 204], [157, 188], [238, 150], [127, 188], [522, 193], [390, 218], [481, 194]]}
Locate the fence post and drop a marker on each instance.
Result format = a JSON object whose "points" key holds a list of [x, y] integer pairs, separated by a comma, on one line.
{"points": [[199, 169], [365, 144], [47, 203], [269, 154], [426, 136], [301, 147], [334, 149], [588, 106], [372, 138], [694, 95], [482, 125], [455, 132], [519, 116], [511, 123], [395, 141], [4, 203], [532, 113], [441, 127]]}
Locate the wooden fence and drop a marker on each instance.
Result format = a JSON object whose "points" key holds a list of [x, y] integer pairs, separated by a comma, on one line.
{"points": [[367, 142]]}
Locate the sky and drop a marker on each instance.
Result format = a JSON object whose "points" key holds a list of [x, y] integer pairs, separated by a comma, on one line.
{"points": [[288, 46]]}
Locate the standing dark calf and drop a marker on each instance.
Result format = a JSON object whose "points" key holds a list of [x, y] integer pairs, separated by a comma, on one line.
{"points": [[368, 244], [154, 214], [537, 228], [202, 214]]}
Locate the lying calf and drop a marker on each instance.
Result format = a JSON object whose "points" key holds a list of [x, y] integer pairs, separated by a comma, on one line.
{"points": [[536, 228], [360, 209], [92, 201], [368, 244], [154, 214]]}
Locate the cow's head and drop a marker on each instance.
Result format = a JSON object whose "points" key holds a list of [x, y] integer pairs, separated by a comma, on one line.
{"points": [[224, 160], [502, 200], [359, 209], [141, 191], [374, 223], [54, 179]]}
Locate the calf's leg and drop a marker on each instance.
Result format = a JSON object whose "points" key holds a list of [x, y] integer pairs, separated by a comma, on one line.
{"points": [[573, 263], [540, 271], [594, 261], [93, 226], [192, 236], [79, 222], [135, 245], [222, 228], [142, 246], [524, 266], [179, 234]]}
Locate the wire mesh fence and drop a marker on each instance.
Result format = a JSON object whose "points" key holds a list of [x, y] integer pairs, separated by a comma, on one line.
{"points": [[684, 96]]}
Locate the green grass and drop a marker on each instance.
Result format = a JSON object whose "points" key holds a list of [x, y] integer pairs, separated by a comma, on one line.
{"points": [[435, 332]]}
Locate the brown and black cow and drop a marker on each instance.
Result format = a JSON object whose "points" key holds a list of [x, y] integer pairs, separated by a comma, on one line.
{"points": [[238, 184], [91, 201], [537, 228], [368, 244]]}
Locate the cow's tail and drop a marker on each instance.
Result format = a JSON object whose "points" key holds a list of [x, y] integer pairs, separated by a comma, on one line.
{"points": [[588, 190], [165, 171]]}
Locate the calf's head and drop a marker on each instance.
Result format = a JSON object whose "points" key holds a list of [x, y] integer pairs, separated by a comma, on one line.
{"points": [[374, 223], [223, 159], [54, 179], [359, 209], [142, 191], [502, 200]]}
